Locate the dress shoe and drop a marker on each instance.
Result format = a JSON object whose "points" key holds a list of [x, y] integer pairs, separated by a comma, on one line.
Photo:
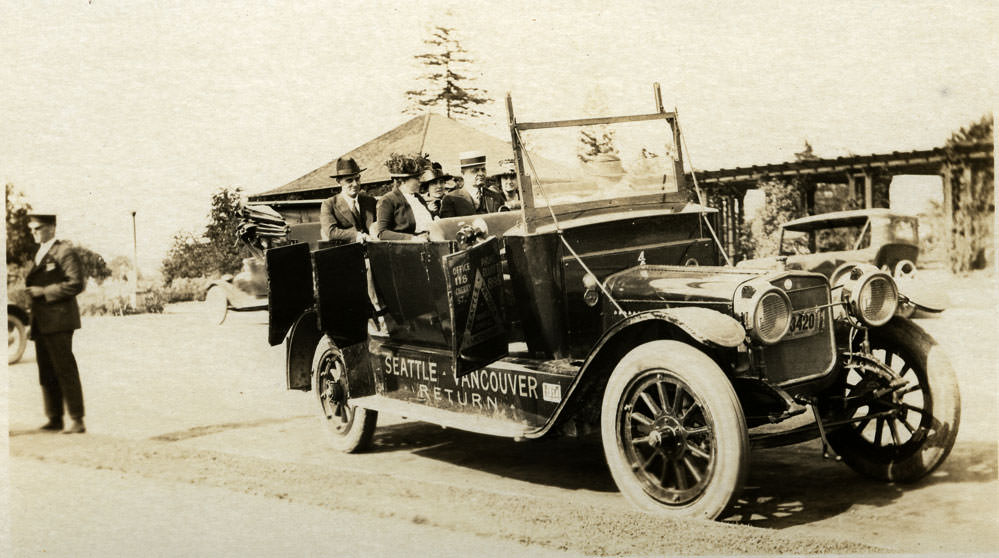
{"points": [[75, 427], [52, 426]]}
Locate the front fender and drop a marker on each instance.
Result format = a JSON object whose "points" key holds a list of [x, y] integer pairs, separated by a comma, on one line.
{"points": [[707, 328], [923, 294]]}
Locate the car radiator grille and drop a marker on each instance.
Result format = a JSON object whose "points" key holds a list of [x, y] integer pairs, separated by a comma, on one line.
{"points": [[804, 358]]}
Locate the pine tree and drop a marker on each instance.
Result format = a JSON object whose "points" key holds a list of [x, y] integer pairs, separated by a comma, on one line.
{"points": [[448, 78]]}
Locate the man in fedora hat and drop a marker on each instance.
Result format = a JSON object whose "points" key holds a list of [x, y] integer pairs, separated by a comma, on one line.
{"points": [[402, 213], [53, 283], [347, 217], [474, 197]]}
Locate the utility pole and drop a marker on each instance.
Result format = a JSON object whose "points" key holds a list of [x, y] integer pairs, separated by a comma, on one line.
{"points": [[135, 266]]}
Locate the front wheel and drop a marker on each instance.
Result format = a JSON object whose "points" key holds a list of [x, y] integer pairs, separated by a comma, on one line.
{"points": [[673, 431], [17, 338], [350, 428], [902, 428]]}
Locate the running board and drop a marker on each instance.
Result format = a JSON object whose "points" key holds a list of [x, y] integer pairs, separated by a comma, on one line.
{"points": [[442, 417]]}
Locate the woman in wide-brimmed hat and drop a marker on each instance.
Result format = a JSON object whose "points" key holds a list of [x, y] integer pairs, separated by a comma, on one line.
{"points": [[402, 213]]}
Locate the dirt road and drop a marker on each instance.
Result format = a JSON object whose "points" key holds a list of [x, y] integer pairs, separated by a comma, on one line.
{"points": [[195, 448]]}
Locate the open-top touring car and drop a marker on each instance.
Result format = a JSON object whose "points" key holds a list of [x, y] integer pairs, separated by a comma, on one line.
{"points": [[602, 306]]}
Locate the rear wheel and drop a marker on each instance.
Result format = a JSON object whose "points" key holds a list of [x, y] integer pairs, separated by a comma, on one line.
{"points": [[900, 432], [673, 431], [350, 428], [17, 338]]}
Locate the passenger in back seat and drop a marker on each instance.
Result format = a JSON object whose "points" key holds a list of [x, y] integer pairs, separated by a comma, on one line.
{"points": [[474, 198], [402, 213]]}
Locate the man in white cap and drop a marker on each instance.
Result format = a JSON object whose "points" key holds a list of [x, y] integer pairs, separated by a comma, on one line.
{"points": [[474, 197], [53, 283]]}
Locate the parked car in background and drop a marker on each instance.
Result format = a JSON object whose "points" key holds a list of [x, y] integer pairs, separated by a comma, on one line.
{"points": [[586, 311], [246, 291], [829, 243], [834, 243]]}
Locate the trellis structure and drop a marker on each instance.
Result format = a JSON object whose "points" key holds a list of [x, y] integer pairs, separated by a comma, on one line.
{"points": [[966, 170]]}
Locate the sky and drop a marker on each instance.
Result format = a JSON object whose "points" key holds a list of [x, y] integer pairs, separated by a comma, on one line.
{"points": [[112, 107]]}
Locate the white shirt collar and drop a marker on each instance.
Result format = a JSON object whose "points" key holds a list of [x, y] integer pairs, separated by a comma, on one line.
{"points": [[44, 249], [420, 212]]}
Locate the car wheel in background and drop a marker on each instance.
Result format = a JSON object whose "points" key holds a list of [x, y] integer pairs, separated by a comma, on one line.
{"points": [[217, 304], [17, 338]]}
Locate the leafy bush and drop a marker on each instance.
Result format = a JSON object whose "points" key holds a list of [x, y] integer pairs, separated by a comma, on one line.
{"points": [[183, 289], [215, 252]]}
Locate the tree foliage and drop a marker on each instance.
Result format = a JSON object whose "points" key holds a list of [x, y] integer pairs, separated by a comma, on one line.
{"points": [[20, 246], [447, 78], [214, 252], [783, 203], [973, 188], [93, 263]]}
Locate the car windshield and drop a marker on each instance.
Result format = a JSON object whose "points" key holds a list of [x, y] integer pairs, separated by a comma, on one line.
{"points": [[825, 239], [568, 165]]}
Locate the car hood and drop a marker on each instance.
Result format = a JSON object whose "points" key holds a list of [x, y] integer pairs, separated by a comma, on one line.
{"points": [[679, 283]]}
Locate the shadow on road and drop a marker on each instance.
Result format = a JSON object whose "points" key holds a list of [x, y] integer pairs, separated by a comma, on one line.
{"points": [[557, 462], [795, 486]]}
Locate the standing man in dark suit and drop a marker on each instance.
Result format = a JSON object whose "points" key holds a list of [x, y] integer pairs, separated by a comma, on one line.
{"points": [[474, 197], [347, 217], [53, 283]]}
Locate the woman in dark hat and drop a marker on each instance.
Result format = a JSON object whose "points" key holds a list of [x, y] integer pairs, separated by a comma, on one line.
{"points": [[432, 188], [402, 213]]}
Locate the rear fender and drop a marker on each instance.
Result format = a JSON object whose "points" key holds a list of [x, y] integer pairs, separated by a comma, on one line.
{"points": [[708, 330], [300, 349]]}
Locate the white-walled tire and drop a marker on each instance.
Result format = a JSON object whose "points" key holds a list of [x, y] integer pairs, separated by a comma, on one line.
{"points": [[673, 431], [217, 304], [17, 338], [350, 428]]}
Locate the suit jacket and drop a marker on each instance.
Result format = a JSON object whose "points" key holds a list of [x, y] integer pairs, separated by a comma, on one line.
{"points": [[60, 274], [395, 218], [339, 224], [459, 203]]}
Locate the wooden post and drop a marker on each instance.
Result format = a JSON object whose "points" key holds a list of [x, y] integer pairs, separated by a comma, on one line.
{"points": [[948, 210], [868, 190], [851, 182]]}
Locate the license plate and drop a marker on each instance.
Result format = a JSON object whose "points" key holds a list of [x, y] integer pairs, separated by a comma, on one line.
{"points": [[805, 323]]}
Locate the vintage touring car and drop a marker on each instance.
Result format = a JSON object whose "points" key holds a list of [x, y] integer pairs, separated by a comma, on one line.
{"points": [[602, 306]]}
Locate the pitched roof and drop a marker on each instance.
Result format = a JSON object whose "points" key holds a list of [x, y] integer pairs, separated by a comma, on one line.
{"points": [[445, 139]]}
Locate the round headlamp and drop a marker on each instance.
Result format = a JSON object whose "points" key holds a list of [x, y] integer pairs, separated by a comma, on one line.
{"points": [[870, 295], [766, 311]]}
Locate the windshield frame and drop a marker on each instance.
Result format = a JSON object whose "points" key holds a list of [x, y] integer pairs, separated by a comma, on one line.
{"points": [[536, 215]]}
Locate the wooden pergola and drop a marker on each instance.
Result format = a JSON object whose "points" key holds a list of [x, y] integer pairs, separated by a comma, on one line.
{"points": [[962, 162]]}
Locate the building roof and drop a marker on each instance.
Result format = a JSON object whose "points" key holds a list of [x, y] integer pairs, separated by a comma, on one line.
{"points": [[443, 139]]}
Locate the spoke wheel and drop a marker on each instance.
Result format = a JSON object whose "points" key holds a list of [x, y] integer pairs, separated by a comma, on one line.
{"points": [[351, 428], [17, 338], [899, 432], [673, 432]]}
